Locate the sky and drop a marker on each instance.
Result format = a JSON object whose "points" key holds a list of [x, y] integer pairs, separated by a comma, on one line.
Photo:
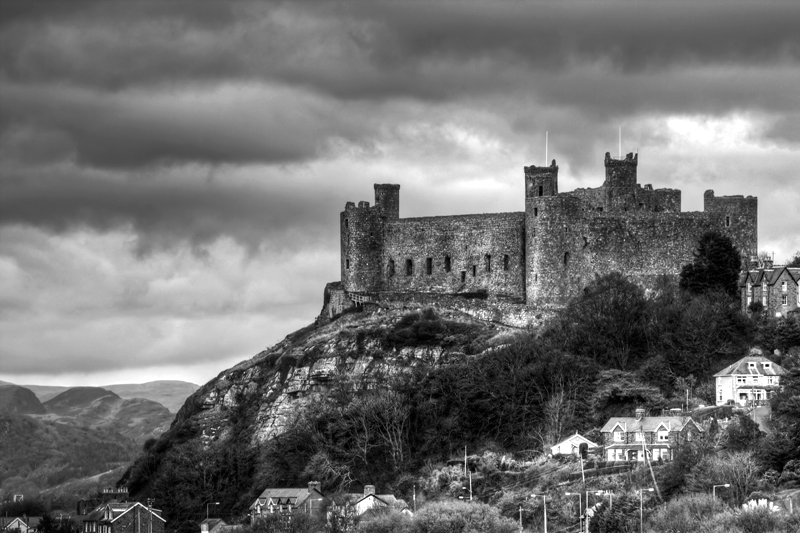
{"points": [[172, 173]]}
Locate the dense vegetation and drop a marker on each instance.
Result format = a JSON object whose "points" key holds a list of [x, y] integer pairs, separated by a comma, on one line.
{"points": [[613, 349], [38, 454]]}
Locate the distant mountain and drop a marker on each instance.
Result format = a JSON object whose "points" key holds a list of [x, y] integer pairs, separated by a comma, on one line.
{"points": [[137, 418], [170, 394], [16, 399], [36, 454]]}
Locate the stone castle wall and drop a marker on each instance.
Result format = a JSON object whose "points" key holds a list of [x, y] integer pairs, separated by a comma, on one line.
{"points": [[544, 255]]}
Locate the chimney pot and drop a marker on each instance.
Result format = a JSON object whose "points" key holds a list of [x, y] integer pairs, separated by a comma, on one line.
{"points": [[369, 489]]}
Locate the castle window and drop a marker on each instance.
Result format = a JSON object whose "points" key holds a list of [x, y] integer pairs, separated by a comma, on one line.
{"points": [[463, 276], [371, 234], [409, 267], [347, 264], [541, 190], [641, 205], [536, 211], [566, 259], [506, 260], [429, 266], [600, 209], [346, 223], [391, 268], [488, 262], [727, 221], [447, 266], [474, 270]]}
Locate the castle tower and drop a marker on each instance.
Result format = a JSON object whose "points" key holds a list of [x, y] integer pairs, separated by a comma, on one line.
{"points": [[387, 198], [621, 172], [541, 181]]}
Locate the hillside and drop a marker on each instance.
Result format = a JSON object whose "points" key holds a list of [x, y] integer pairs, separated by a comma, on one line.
{"points": [[38, 454], [16, 399], [94, 407], [169, 393]]}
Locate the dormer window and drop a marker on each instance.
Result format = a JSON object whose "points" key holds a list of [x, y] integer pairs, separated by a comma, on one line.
{"points": [[619, 436], [767, 365]]}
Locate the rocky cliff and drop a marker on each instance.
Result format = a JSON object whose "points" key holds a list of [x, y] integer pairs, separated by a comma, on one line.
{"points": [[356, 351]]}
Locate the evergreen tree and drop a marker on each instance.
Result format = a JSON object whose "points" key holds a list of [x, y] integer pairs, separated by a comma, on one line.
{"points": [[716, 266]]}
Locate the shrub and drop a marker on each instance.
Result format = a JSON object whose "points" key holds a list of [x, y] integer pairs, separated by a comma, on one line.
{"points": [[460, 517]]}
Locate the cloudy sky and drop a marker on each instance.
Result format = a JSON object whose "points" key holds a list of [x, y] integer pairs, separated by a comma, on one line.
{"points": [[171, 173]]}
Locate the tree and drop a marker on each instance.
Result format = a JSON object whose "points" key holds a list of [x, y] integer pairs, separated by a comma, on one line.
{"points": [[740, 469], [794, 261], [742, 434], [716, 266]]}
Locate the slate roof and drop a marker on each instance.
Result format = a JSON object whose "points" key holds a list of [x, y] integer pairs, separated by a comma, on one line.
{"points": [[648, 424], [769, 276], [742, 367], [289, 496]]}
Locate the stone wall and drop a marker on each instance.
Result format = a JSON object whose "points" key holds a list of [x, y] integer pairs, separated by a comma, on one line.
{"points": [[455, 254]]}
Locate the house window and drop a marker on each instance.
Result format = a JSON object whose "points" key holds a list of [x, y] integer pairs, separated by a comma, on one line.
{"points": [[638, 436], [784, 287], [447, 263], [409, 267], [784, 300], [663, 436], [741, 380], [429, 266], [391, 268], [487, 259], [506, 260], [764, 295], [619, 436], [720, 395]]}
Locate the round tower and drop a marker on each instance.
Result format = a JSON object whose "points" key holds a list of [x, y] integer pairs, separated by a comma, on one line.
{"points": [[361, 231]]}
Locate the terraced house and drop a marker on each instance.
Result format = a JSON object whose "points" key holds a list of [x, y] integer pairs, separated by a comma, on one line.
{"points": [[775, 287]]}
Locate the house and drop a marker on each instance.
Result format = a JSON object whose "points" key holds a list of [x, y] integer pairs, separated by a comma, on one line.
{"points": [[776, 288], [572, 445], [348, 509], [213, 525], [25, 524], [290, 500], [627, 438], [753, 378], [123, 517]]}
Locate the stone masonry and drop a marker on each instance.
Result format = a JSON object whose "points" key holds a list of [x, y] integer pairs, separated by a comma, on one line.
{"points": [[543, 256]]}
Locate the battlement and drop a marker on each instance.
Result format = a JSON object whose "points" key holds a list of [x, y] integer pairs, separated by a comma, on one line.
{"points": [[621, 172], [541, 181], [631, 159], [534, 170]]}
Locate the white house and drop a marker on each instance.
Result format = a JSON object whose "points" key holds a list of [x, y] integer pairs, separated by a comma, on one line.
{"points": [[752, 378], [572, 445]]}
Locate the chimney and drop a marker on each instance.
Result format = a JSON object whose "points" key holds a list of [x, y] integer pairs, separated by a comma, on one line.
{"points": [[639, 413], [369, 489], [314, 485]]}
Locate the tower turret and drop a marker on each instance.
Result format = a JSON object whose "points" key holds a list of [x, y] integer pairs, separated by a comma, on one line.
{"points": [[541, 181], [387, 198], [621, 172]]}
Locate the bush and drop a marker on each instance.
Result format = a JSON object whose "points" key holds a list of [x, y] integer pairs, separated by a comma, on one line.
{"points": [[685, 513], [460, 517], [386, 522]]}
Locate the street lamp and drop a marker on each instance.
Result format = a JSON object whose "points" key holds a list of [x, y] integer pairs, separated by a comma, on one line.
{"points": [[207, 505], [641, 508], [544, 500], [580, 510], [714, 490]]}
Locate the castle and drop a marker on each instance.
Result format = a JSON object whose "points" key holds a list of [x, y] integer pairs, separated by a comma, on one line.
{"points": [[536, 259]]}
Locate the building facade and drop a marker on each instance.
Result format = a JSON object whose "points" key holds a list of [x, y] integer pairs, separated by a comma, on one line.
{"points": [[751, 379], [544, 255], [774, 287], [629, 438]]}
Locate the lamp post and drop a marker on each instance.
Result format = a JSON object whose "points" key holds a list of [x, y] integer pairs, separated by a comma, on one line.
{"points": [[714, 490], [207, 505], [641, 508], [580, 510], [544, 500]]}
